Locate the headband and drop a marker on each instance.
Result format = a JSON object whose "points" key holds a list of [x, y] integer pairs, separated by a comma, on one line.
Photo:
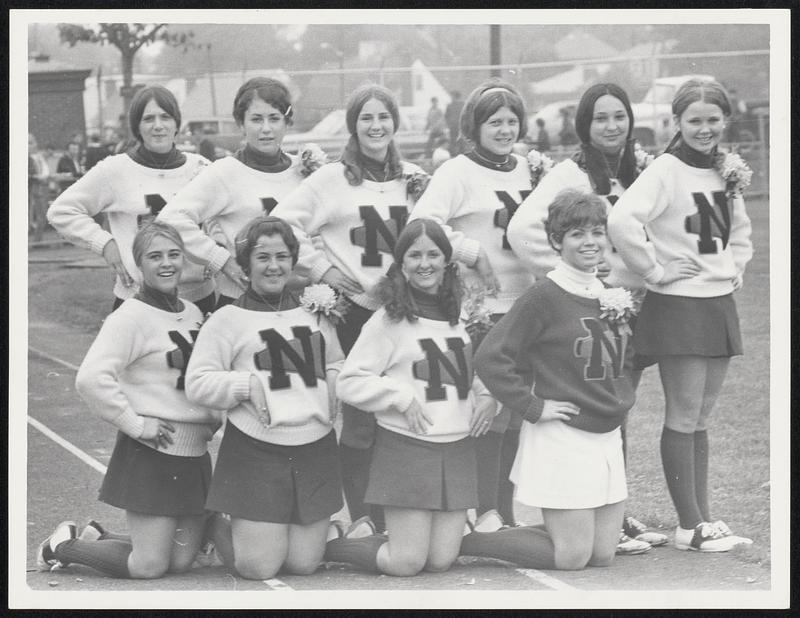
{"points": [[495, 89]]}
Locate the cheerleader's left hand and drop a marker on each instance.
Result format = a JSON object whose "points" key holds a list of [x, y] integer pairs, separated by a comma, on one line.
{"points": [[484, 268], [603, 270], [737, 282], [485, 411]]}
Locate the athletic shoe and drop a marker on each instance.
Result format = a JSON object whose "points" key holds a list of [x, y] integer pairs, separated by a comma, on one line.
{"points": [[631, 547], [336, 530], [490, 521], [637, 530], [722, 527], [45, 555], [361, 527], [207, 555], [92, 532], [706, 537]]}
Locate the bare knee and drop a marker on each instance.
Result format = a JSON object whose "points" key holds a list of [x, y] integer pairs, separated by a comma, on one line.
{"points": [[406, 565], [181, 564], [438, 565], [602, 560], [301, 567], [572, 558], [148, 567], [250, 568]]}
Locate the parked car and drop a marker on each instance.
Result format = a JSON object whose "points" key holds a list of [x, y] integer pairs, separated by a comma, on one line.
{"points": [[331, 133], [222, 131]]}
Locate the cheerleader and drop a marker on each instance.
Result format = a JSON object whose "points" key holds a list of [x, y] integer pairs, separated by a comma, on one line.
{"points": [[411, 367], [272, 365], [356, 207], [131, 188], [605, 165], [700, 243], [133, 377], [558, 359], [234, 190], [473, 196]]}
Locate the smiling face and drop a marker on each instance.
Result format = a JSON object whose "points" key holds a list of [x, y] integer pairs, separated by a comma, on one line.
{"points": [[374, 129], [270, 265], [162, 264], [610, 124], [423, 265], [701, 125], [583, 247], [499, 132], [157, 128], [264, 127]]}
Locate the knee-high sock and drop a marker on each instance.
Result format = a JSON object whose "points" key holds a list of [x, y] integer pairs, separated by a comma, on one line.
{"points": [[114, 536], [527, 546], [355, 474], [108, 556], [505, 488], [701, 472], [361, 552], [488, 448], [677, 458]]}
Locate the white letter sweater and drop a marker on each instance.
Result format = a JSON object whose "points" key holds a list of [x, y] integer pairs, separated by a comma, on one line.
{"points": [[357, 225], [686, 213], [474, 205], [136, 368], [288, 351], [226, 196], [392, 363], [526, 230], [131, 195]]}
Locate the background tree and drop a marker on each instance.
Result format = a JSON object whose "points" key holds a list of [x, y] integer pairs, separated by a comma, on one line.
{"points": [[128, 39]]}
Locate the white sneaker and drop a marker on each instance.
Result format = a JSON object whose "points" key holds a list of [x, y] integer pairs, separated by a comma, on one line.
{"points": [[705, 537], [626, 546], [723, 528], [45, 556], [361, 527], [637, 530], [490, 521]]}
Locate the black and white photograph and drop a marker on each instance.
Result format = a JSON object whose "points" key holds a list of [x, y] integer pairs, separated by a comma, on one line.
{"points": [[307, 295]]}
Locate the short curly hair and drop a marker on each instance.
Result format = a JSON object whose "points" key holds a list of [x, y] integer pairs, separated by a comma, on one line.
{"points": [[571, 209], [267, 89], [484, 101], [265, 225]]}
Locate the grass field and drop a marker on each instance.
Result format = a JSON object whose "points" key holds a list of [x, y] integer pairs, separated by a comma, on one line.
{"points": [[739, 427]]}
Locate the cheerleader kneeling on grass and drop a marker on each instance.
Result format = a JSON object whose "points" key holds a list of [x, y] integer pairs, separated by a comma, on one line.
{"points": [[411, 367], [559, 337], [133, 377]]}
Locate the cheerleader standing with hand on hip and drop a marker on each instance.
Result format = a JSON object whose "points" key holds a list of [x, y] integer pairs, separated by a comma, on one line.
{"points": [[211, 210], [356, 207], [473, 196], [688, 320], [558, 339], [131, 188], [412, 368], [272, 365], [159, 472]]}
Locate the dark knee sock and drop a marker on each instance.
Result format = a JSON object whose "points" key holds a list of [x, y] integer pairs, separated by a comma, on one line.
{"points": [[362, 552], [488, 449], [701, 472], [114, 536], [355, 474], [528, 546], [108, 556], [505, 488], [677, 458]]}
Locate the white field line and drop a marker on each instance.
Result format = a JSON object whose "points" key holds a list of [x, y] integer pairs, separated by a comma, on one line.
{"points": [[275, 584], [545, 579]]}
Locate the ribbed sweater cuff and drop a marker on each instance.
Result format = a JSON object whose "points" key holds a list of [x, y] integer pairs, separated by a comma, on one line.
{"points": [[98, 240], [241, 385], [468, 251], [654, 275], [219, 255], [534, 410], [189, 439], [130, 423], [319, 269]]}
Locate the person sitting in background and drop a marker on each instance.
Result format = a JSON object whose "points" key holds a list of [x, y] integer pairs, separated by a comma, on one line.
{"points": [[69, 167]]}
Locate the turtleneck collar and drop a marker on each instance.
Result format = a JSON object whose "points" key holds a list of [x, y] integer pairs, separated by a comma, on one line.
{"points": [[574, 281], [377, 171], [157, 160], [427, 305], [257, 160], [160, 300], [692, 157], [492, 161], [253, 301]]}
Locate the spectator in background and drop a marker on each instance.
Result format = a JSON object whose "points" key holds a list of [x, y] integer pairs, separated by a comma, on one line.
{"points": [[441, 153], [69, 167], [435, 126], [567, 134], [38, 177], [206, 146], [451, 118], [95, 151], [542, 137]]}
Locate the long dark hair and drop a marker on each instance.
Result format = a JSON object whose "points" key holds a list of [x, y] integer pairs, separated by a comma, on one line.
{"points": [[351, 157], [590, 158], [393, 289]]}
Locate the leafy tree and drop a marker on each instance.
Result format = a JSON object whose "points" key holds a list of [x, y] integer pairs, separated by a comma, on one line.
{"points": [[128, 39]]}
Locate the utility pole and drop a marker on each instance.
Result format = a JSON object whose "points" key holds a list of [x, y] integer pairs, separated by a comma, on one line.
{"points": [[100, 97], [494, 49], [211, 81]]}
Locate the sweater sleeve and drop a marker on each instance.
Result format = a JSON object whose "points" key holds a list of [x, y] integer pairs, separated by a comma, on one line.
{"points": [[117, 345], [210, 378], [334, 356], [642, 202], [502, 360], [362, 382], [526, 233], [739, 240], [204, 197], [71, 213], [304, 211], [441, 202]]}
